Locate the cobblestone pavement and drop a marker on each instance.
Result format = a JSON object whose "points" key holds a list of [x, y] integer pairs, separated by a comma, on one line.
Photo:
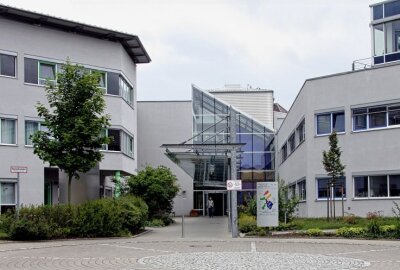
{"points": [[200, 249]]}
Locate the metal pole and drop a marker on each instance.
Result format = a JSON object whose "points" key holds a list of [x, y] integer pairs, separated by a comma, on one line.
{"points": [[183, 225], [327, 202], [18, 194], [232, 131], [229, 212]]}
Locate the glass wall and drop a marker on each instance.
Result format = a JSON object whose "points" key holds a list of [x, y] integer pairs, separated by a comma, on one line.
{"points": [[255, 160]]}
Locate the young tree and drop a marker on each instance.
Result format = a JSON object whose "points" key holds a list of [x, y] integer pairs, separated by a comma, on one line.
{"points": [[332, 164], [74, 122], [157, 187]]}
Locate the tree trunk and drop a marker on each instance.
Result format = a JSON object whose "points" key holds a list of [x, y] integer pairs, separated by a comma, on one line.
{"points": [[69, 188], [327, 202]]}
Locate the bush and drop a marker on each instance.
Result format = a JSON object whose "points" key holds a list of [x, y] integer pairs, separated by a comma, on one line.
{"points": [[351, 219], [373, 227], [104, 217], [314, 232], [350, 232], [155, 223], [287, 205], [247, 223]]}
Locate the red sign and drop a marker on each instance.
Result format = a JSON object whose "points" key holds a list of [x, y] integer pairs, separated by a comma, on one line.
{"points": [[19, 169]]}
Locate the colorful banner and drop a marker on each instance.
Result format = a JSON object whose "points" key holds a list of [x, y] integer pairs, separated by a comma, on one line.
{"points": [[267, 204]]}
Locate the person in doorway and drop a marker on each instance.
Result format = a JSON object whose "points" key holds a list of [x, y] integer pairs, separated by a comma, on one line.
{"points": [[210, 207]]}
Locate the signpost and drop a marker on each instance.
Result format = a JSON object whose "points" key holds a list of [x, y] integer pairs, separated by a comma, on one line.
{"points": [[267, 204], [18, 170], [234, 184]]}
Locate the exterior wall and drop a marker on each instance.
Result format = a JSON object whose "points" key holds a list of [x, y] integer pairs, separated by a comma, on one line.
{"points": [[160, 123], [19, 100], [278, 119], [366, 152], [257, 104]]}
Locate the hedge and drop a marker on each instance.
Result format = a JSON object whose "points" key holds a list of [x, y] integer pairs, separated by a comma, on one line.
{"points": [[98, 218]]}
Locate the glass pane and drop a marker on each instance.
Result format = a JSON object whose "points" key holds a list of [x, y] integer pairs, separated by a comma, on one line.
{"points": [[113, 83], [338, 121], [322, 188], [8, 131], [361, 186], [392, 8], [292, 143], [7, 64], [377, 12], [378, 186], [7, 193], [394, 118], [248, 140], [246, 161], [115, 135], [323, 124], [259, 176], [341, 182], [47, 71], [302, 190], [30, 128], [258, 142], [394, 185], [392, 36], [360, 122], [377, 120], [379, 40]]}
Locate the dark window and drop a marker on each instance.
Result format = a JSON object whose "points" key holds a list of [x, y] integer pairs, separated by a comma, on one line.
{"points": [[394, 185], [31, 70], [292, 143], [301, 186], [323, 124], [284, 152], [377, 117], [115, 144], [378, 186], [7, 65], [391, 9], [394, 115], [323, 185], [338, 121], [361, 186], [377, 12], [301, 131], [360, 122]]}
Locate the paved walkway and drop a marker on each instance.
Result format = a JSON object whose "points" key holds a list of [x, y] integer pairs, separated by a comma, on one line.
{"points": [[206, 246]]}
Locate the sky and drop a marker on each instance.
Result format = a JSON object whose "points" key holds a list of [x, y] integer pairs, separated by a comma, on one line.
{"points": [[270, 44]]}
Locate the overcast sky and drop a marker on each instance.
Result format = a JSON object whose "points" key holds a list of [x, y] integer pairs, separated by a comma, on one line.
{"points": [[271, 44]]}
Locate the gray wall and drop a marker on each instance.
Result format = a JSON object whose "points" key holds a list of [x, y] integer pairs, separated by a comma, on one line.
{"points": [[363, 152], [163, 122], [19, 99]]}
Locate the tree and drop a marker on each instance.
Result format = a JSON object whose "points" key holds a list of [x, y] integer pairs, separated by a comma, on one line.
{"points": [[288, 203], [332, 164], [74, 122], [157, 187]]}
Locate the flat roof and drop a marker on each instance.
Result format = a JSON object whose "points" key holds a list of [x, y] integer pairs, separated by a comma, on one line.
{"points": [[131, 43], [382, 2]]}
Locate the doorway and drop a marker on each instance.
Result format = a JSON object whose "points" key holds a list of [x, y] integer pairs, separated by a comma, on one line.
{"points": [[219, 199], [51, 186]]}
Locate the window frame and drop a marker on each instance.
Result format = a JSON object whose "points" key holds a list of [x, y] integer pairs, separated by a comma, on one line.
{"points": [[15, 129], [302, 195], [284, 152], [392, 107], [125, 137], [44, 62], [301, 132], [6, 181], [331, 122], [123, 80], [101, 72], [317, 179], [369, 197], [40, 125], [15, 65]]}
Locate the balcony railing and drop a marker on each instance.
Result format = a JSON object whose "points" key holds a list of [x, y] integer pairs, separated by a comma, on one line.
{"points": [[361, 64]]}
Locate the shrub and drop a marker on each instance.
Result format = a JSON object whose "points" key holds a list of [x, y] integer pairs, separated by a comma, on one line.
{"points": [[350, 232], [351, 219], [247, 223], [373, 227], [314, 232], [287, 205], [155, 223]]}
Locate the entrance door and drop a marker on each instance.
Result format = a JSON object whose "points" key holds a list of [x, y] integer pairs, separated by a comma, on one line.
{"points": [[50, 186], [219, 202]]}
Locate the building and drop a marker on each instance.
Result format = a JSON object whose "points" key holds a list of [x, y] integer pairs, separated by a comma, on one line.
{"points": [[32, 48], [363, 106]]}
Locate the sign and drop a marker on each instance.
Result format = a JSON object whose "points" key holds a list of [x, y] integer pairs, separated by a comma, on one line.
{"points": [[234, 184], [267, 204], [18, 169]]}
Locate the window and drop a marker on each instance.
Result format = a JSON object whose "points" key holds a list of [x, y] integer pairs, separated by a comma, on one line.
{"points": [[301, 187], [102, 78], [47, 71], [8, 134], [292, 191], [120, 141], [376, 117], [377, 186], [7, 196], [126, 90], [377, 12], [284, 152], [30, 128], [292, 143], [7, 65], [327, 122], [301, 132], [379, 40], [323, 186]]}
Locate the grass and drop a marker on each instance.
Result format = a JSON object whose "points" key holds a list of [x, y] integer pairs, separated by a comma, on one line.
{"points": [[323, 224], [3, 235]]}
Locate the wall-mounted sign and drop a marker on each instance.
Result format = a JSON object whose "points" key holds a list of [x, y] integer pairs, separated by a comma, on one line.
{"points": [[267, 204], [19, 169], [234, 184]]}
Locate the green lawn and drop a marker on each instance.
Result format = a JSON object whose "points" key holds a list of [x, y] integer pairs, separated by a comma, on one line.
{"points": [[321, 223], [3, 235]]}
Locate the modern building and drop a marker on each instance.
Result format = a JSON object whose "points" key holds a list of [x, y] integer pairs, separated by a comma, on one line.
{"points": [[32, 48], [363, 107]]}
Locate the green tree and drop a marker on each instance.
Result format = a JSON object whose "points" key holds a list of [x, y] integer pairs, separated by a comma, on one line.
{"points": [[288, 204], [332, 164], [74, 121], [157, 187]]}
